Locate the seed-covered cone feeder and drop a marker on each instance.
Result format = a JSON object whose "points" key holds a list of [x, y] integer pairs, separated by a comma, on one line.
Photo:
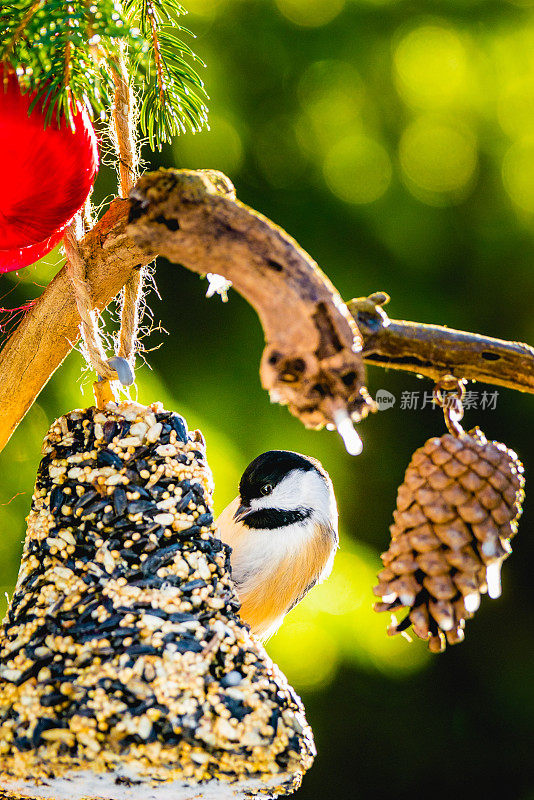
{"points": [[125, 671], [457, 510]]}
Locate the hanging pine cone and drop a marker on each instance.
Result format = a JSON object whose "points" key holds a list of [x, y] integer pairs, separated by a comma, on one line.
{"points": [[456, 513]]}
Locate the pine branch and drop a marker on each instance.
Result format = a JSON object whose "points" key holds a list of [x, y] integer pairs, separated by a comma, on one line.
{"points": [[54, 43], [174, 96], [69, 51], [15, 29]]}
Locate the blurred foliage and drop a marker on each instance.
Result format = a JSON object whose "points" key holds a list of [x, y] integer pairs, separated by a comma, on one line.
{"points": [[395, 141]]}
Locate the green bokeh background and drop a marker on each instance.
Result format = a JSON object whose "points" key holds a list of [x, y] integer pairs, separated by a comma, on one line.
{"points": [[395, 142]]}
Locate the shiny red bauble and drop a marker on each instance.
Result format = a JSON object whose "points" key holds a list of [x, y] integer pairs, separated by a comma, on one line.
{"points": [[46, 174]]}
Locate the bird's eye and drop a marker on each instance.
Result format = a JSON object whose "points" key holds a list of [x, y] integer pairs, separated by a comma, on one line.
{"points": [[266, 489]]}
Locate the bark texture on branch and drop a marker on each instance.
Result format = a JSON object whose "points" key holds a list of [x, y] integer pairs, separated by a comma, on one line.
{"points": [[435, 351], [312, 361]]}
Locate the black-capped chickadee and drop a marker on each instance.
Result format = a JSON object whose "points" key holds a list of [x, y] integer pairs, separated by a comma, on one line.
{"points": [[282, 529]]}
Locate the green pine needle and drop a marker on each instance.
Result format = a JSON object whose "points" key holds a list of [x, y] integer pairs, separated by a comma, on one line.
{"points": [[173, 93], [65, 52]]}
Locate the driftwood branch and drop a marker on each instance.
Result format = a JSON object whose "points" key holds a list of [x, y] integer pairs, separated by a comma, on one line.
{"points": [[49, 330], [312, 360], [435, 351]]}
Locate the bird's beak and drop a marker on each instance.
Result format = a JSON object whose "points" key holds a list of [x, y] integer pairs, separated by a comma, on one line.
{"points": [[241, 513]]}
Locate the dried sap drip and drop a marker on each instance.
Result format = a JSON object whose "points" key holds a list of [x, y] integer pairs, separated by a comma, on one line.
{"points": [[345, 428]]}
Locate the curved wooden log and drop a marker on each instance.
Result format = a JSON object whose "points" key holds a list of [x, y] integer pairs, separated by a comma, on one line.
{"points": [[312, 361]]}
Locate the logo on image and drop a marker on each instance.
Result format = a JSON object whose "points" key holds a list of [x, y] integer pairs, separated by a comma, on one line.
{"points": [[384, 399]]}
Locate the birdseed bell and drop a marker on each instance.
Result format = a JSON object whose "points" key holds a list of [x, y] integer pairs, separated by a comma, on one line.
{"points": [[125, 671]]}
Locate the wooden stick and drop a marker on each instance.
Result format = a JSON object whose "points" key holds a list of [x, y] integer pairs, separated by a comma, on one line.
{"points": [[49, 331], [312, 360], [435, 351]]}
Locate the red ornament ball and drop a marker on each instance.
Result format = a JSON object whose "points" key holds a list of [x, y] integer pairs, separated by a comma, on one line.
{"points": [[46, 174]]}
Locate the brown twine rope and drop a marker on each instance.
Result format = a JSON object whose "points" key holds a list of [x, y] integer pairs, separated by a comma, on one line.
{"points": [[92, 341], [131, 301], [124, 126], [123, 130]]}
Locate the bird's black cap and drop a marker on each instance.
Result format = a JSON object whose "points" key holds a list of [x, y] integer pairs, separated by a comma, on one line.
{"points": [[270, 468]]}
